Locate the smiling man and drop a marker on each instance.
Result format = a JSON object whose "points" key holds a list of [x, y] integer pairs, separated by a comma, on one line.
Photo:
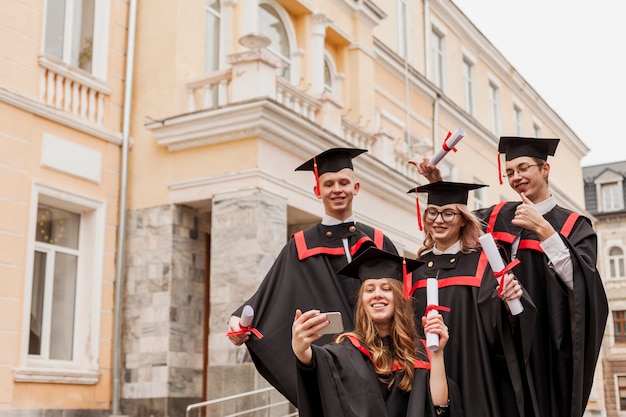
{"points": [[558, 253], [304, 276]]}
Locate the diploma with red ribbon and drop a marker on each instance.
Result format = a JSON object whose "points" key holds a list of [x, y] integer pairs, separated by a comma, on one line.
{"points": [[245, 323], [448, 145], [499, 270], [432, 300]]}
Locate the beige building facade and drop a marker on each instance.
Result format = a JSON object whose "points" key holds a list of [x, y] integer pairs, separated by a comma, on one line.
{"points": [[228, 97]]}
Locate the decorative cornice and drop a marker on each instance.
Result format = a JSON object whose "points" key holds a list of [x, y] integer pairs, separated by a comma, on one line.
{"points": [[60, 116]]}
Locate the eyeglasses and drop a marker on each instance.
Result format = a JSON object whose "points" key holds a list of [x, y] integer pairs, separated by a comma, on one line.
{"points": [[447, 216], [520, 169]]}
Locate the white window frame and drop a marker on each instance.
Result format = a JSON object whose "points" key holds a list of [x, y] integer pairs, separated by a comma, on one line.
{"points": [[617, 396], [494, 107], [402, 8], [335, 78], [83, 368], [469, 84], [611, 196], [480, 196], [619, 261], [100, 37], [294, 52], [438, 55], [536, 128], [518, 120], [208, 47]]}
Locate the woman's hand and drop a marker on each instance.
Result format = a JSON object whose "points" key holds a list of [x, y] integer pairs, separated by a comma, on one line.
{"points": [[430, 171], [512, 289], [435, 324], [304, 333]]}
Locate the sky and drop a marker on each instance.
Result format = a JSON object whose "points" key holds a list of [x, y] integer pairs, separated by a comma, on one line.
{"points": [[573, 54]]}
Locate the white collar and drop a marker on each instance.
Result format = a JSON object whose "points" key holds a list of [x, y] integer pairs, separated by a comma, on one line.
{"points": [[331, 221], [451, 250], [546, 205]]}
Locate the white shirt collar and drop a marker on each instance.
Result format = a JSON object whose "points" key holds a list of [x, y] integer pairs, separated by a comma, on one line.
{"points": [[546, 205], [450, 251], [331, 221]]}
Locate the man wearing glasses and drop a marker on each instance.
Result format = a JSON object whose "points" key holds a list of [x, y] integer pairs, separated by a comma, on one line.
{"points": [[557, 249]]}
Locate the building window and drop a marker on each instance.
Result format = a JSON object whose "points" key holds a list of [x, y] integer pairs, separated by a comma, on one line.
{"points": [[518, 120], [52, 308], [468, 86], [62, 326], [619, 324], [616, 263], [611, 196], [438, 55], [480, 197], [401, 29], [272, 26], [536, 130], [212, 36], [621, 387], [73, 35], [494, 106]]}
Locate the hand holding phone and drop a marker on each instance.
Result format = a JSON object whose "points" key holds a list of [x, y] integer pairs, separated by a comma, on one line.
{"points": [[336, 323]]}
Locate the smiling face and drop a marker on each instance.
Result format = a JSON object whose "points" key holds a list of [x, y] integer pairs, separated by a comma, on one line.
{"points": [[526, 176], [378, 302], [444, 233], [337, 190]]}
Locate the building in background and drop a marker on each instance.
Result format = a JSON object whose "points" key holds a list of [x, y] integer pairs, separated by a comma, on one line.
{"points": [[228, 97], [605, 198], [61, 100]]}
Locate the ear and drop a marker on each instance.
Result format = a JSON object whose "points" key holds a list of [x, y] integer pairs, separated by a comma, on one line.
{"points": [[357, 187], [546, 169], [316, 192]]}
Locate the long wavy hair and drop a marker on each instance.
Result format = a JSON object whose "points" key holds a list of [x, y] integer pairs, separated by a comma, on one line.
{"points": [[403, 348], [468, 235]]}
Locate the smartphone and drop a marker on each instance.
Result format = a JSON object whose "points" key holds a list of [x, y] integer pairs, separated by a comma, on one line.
{"points": [[336, 323]]}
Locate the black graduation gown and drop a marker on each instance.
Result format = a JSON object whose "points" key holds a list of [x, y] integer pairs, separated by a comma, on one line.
{"points": [[481, 355], [304, 276], [342, 382], [570, 323]]}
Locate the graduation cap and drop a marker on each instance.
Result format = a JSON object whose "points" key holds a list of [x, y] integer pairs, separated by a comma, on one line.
{"points": [[513, 147], [331, 160], [441, 193], [374, 263]]}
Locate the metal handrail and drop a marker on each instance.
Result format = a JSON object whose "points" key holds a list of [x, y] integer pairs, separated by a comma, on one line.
{"points": [[237, 396]]}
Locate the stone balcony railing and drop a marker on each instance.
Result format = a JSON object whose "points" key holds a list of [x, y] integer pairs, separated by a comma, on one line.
{"points": [[253, 75], [71, 89]]}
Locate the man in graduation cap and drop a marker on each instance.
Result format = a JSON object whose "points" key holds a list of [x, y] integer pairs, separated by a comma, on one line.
{"points": [[558, 253], [305, 274], [484, 358], [381, 368]]}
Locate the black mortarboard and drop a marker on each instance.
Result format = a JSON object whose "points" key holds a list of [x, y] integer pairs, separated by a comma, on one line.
{"points": [[331, 160], [513, 147], [441, 193], [374, 263]]}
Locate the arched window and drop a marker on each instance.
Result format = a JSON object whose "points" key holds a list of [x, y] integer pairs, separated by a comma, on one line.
{"points": [[616, 262], [272, 26]]}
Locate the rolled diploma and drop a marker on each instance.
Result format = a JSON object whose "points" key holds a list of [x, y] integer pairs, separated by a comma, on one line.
{"points": [[246, 316], [432, 298], [450, 143], [495, 260]]}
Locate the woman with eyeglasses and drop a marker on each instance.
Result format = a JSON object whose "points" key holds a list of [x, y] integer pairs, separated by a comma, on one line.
{"points": [[483, 354]]}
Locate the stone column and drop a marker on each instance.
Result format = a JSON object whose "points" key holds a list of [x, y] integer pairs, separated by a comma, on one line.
{"points": [[254, 75], [248, 231], [163, 306], [318, 35]]}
